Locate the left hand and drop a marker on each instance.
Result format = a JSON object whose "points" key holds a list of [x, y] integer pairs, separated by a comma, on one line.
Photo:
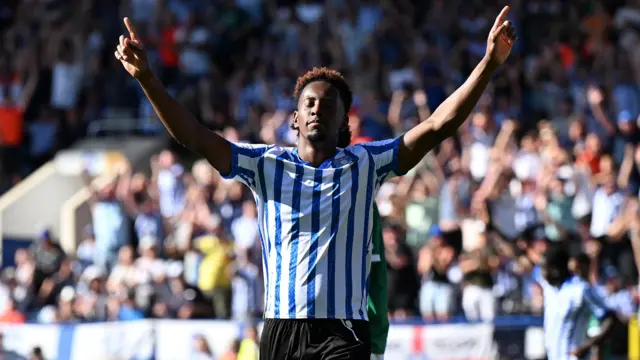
{"points": [[501, 39]]}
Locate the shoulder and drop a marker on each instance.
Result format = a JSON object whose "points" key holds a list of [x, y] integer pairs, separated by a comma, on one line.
{"points": [[251, 149], [377, 147]]}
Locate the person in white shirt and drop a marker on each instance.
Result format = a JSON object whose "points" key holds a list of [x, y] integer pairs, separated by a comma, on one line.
{"points": [[569, 303], [245, 229], [608, 203]]}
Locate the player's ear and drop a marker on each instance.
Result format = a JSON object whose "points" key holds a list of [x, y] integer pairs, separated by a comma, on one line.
{"points": [[345, 123], [295, 125]]}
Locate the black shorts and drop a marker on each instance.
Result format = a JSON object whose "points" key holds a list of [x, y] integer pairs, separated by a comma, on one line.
{"points": [[315, 339]]}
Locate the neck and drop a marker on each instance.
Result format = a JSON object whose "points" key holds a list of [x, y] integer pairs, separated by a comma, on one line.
{"points": [[315, 153], [561, 279]]}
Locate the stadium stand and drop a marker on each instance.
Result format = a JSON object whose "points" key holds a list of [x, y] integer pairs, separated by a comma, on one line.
{"points": [[150, 255]]}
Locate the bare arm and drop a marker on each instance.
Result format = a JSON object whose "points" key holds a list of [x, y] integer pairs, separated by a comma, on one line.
{"points": [[449, 116], [184, 128], [596, 98], [634, 233], [181, 124], [605, 328], [626, 167]]}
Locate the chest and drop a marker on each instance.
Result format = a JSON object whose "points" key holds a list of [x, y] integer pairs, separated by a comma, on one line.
{"points": [[563, 304], [342, 174]]}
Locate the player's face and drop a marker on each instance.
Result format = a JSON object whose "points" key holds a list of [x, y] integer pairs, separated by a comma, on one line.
{"points": [[552, 274], [320, 112]]}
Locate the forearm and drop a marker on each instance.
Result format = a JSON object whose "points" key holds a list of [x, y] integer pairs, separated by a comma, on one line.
{"points": [[179, 122], [625, 172], [605, 329], [447, 118], [634, 233]]}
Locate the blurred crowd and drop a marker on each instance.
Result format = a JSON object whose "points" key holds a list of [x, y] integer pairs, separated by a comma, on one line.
{"points": [[550, 154]]}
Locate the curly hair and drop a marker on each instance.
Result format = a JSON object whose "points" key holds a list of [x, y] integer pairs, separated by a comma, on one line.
{"points": [[334, 78]]}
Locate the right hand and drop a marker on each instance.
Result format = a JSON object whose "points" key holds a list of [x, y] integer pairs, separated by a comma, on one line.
{"points": [[593, 248], [594, 95], [131, 53], [420, 98]]}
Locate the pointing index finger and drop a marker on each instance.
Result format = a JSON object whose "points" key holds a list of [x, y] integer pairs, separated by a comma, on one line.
{"points": [[131, 29], [500, 18]]}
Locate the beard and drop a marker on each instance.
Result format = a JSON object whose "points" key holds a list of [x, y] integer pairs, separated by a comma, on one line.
{"points": [[316, 135]]}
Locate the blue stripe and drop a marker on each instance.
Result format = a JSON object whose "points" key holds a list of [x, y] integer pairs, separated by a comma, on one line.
{"points": [[249, 150], [248, 175], [234, 163], [383, 171], [350, 234], [379, 147], [295, 238], [563, 329], [65, 342], [277, 197], [581, 323], [313, 248], [335, 219], [367, 237], [598, 307], [264, 233]]}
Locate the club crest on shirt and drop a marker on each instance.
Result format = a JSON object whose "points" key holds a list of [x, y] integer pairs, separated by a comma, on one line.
{"points": [[341, 160]]}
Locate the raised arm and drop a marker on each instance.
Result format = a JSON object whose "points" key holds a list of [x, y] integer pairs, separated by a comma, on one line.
{"points": [[446, 119], [181, 124]]}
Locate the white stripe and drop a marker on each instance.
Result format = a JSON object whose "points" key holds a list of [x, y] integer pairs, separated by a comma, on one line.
{"points": [[341, 244], [285, 218], [322, 260], [375, 258], [304, 243], [360, 241]]}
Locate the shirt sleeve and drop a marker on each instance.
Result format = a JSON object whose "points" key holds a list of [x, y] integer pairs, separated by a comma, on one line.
{"points": [[385, 158], [244, 163], [595, 302]]}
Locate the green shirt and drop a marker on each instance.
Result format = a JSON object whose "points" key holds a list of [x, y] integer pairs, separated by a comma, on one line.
{"points": [[377, 302]]}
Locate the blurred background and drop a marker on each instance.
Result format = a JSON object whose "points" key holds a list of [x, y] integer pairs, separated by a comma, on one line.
{"points": [[103, 218]]}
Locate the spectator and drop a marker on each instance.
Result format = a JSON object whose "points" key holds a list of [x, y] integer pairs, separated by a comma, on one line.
{"points": [[245, 229], [201, 350], [246, 288], [11, 314], [170, 187], [232, 352], [48, 256], [36, 354], [478, 300], [437, 293], [87, 248], [52, 286], [109, 221], [214, 279], [66, 306], [124, 274], [402, 278], [249, 346], [91, 300]]}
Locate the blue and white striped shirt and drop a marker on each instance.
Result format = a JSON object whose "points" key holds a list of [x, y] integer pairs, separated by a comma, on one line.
{"points": [[315, 225], [567, 310]]}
